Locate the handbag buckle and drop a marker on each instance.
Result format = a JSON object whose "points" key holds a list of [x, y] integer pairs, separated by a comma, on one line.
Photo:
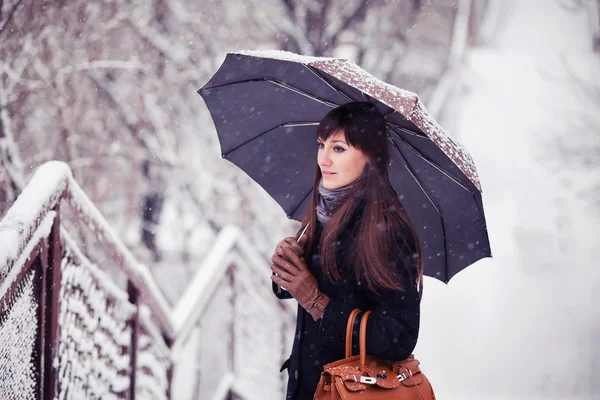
{"points": [[368, 380], [403, 376]]}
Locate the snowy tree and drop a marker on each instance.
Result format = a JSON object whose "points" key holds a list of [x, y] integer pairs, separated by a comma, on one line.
{"points": [[110, 88], [360, 30]]}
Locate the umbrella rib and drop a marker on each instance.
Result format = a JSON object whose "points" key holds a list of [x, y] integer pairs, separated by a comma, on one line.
{"points": [[426, 159], [429, 197], [301, 124], [279, 83], [403, 129], [301, 92], [434, 165], [287, 124], [414, 175], [318, 75]]}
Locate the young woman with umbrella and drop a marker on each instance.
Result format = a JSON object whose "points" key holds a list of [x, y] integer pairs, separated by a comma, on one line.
{"points": [[360, 251], [394, 197]]}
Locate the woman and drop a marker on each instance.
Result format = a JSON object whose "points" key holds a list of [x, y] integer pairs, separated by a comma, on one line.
{"points": [[360, 250]]}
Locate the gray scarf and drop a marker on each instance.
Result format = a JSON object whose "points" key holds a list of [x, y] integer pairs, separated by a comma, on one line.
{"points": [[330, 200]]}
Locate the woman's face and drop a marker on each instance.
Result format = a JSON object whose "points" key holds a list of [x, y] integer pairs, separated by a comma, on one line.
{"points": [[340, 163]]}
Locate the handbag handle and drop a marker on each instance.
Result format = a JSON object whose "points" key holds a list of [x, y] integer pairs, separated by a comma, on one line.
{"points": [[349, 329], [363, 338]]}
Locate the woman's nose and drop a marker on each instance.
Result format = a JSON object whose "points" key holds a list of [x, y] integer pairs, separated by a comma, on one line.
{"points": [[324, 160]]}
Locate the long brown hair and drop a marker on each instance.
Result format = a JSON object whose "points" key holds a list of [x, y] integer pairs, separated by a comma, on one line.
{"points": [[382, 220]]}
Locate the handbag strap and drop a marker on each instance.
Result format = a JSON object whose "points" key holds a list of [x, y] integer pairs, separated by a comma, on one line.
{"points": [[349, 329], [363, 338]]}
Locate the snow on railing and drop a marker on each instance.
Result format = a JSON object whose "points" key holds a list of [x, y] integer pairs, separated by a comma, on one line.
{"points": [[19, 329], [230, 245], [25, 216], [28, 316], [18, 261], [51, 182], [98, 339], [89, 331], [138, 274], [225, 323], [95, 335]]}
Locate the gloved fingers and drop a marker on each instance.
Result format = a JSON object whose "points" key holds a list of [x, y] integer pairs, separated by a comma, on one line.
{"points": [[291, 242], [286, 239], [284, 264], [279, 281], [281, 273], [283, 243], [294, 259]]}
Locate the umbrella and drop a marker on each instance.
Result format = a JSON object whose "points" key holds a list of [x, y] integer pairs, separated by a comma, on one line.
{"points": [[266, 106]]}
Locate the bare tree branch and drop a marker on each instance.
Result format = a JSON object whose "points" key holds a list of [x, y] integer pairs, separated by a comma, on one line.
{"points": [[334, 30], [9, 16], [9, 154]]}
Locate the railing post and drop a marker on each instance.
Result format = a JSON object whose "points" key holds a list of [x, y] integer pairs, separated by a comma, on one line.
{"points": [[43, 258], [473, 23], [231, 282], [134, 295], [51, 306], [595, 16], [170, 381]]}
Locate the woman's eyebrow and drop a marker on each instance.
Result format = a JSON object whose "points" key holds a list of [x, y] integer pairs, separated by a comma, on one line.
{"points": [[338, 141]]}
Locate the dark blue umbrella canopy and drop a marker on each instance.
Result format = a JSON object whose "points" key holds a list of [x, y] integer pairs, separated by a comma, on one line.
{"points": [[267, 105]]}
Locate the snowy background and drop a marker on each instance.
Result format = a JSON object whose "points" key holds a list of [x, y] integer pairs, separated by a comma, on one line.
{"points": [[526, 323], [109, 87]]}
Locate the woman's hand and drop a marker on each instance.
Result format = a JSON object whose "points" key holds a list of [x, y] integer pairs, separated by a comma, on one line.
{"points": [[292, 273], [297, 247], [289, 242]]}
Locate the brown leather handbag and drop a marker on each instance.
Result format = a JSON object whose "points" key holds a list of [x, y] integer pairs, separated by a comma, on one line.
{"points": [[368, 378]]}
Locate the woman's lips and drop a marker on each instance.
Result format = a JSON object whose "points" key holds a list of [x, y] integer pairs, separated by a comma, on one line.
{"points": [[328, 173]]}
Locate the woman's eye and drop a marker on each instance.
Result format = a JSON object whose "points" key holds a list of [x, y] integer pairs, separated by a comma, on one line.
{"points": [[320, 145], [339, 149]]}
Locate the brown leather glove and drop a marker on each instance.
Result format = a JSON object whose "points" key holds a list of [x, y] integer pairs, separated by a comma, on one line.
{"points": [[293, 243], [294, 276], [290, 242]]}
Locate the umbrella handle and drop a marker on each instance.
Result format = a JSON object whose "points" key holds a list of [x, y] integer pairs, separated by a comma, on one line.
{"points": [[298, 241], [303, 231]]}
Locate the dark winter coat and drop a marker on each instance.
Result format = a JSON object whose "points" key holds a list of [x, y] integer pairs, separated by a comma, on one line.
{"points": [[392, 329]]}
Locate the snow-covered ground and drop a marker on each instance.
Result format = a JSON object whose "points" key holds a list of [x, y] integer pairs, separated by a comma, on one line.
{"points": [[525, 324]]}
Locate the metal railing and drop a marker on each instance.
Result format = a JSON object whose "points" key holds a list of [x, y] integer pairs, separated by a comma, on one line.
{"points": [[68, 331], [594, 12], [245, 333]]}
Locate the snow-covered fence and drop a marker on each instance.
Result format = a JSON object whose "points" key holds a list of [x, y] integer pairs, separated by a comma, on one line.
{"points": [[233, 334], [21, 321], [69, 331], [95, 336]]}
